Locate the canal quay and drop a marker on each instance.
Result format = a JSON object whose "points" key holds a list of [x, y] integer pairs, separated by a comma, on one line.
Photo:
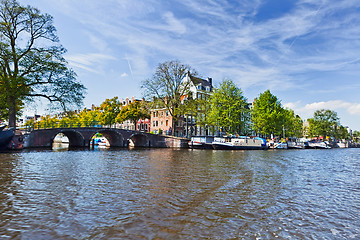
{"points": [[172, 193]]}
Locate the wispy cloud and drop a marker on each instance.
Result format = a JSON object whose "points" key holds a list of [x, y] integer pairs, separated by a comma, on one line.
{"points": [[92, 62], [227, 35]]}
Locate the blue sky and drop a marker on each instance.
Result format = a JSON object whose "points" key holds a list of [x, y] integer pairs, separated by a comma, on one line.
{"points": [[307, 52]]}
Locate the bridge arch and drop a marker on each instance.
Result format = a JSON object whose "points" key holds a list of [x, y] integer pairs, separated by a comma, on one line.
{"points": [[76, 139], [139, 140], [114, 138]]}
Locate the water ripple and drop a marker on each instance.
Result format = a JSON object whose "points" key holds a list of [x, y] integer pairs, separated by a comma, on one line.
{"points": [[180, 194]]}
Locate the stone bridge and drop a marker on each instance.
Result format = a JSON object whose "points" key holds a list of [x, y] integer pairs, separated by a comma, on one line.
{"points": [[81, 137]]}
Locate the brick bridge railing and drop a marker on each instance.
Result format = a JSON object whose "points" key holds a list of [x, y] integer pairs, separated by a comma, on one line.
{"points": [[81, 137]]}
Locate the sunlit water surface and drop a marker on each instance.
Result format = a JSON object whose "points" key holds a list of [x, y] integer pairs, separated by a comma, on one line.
{"points": [[180, 194]]}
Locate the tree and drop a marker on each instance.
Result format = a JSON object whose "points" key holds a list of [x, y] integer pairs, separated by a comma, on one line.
{"points": [[195, 111], [88, 118], [109, 109], [31, 61], [267, 115], [293, 125], [356, 136], [342, 133], [229, 108], [167, 86], [324, 123], [133, 111]]}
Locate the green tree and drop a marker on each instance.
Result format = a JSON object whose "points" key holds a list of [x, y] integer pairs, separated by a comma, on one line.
{"points": [[47, 122], [31, 61], [229, 108], [133, 111], [89, 118], [195, 111], [167, 86], [324, 123], [341, 133], [293, 125], [268, 116], [356, 136], [109, 110]]}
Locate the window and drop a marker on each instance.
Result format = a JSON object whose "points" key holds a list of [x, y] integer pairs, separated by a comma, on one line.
{"points": [[162, 113], [157, 123], [167, 113], [138, 126], [167, 122], [146, 127], [153, 123]]}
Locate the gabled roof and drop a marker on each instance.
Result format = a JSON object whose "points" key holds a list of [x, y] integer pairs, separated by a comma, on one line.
{"points": [[202, 82]]}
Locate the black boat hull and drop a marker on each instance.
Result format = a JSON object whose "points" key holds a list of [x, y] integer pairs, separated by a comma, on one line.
{"points": [[217, 146], [197, 145], [5, 138]]}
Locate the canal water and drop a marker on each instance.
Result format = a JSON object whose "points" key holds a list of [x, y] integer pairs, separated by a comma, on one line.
{"points": [[180, 194]]}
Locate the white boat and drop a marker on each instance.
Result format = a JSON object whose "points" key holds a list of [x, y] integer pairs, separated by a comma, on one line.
{"points": [[239, 143], [102, 142], [342, 144], [201, 142], [295, 143], [319, 145], [281, 145]]}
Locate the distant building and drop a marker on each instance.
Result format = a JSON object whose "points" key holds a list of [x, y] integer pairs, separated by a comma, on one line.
{"points": [[143, 125], [129, 125]]}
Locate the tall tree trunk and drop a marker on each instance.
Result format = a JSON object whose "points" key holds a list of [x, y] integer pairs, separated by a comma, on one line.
{"points": [[173, 126], [12, 112]]}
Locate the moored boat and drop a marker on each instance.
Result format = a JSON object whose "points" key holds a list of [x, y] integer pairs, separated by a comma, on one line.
{"points": [[239, 143], [201, 142], [5, 137], [281, 145], [295, 143], [319, 145]]}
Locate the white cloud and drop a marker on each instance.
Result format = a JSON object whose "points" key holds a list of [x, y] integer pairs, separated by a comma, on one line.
{"points": [[174, 24], [307, 110], [352, 108], [124, 74]]}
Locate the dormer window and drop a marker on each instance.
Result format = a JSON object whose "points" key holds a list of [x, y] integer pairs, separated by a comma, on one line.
{"points": [[199, 87], [208, 89]]}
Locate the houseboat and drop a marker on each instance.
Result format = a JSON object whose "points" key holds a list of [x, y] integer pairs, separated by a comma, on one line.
{"points": [[239, 143], [201, 142]]}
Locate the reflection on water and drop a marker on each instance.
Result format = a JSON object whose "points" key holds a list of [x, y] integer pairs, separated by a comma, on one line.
{"points": [[180, 194], [57, 146]]}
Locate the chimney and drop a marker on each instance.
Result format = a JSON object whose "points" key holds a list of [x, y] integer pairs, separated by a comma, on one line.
{"points": [[210, 81]]}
